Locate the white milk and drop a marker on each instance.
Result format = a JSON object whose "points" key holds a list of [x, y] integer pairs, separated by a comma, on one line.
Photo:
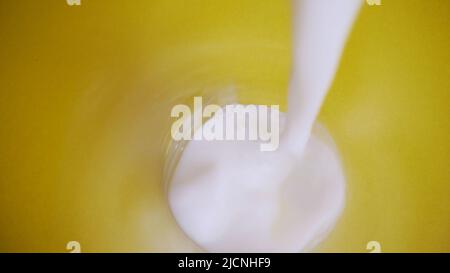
{"points": [[228, 196]]}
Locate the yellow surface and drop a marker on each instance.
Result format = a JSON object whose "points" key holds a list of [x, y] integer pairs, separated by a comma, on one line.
{"points": [[86, 94]]}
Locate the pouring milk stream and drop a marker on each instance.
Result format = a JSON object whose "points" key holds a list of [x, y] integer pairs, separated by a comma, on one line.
{"points": [[229, 196]]}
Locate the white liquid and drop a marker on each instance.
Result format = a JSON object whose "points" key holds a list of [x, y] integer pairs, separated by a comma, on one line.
{"points": [[229, 196]]}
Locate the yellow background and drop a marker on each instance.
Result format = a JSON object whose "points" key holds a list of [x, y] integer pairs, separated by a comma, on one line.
{"points": [[86, 93]]}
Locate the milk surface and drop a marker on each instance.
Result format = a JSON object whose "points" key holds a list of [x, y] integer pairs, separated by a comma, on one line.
{"points": [[229, 196]]}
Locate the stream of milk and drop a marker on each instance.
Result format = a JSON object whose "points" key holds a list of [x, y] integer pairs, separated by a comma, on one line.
{"points": [[228, 196]]}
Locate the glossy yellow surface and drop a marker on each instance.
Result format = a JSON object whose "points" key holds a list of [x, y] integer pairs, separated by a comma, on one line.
{"points": [[86, 93]]}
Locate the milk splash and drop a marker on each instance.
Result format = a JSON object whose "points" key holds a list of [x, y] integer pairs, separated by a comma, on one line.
{"points": [[228, 196]]}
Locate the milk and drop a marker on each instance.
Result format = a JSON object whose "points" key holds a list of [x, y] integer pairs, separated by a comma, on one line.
{"points": [[229, 196]]}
